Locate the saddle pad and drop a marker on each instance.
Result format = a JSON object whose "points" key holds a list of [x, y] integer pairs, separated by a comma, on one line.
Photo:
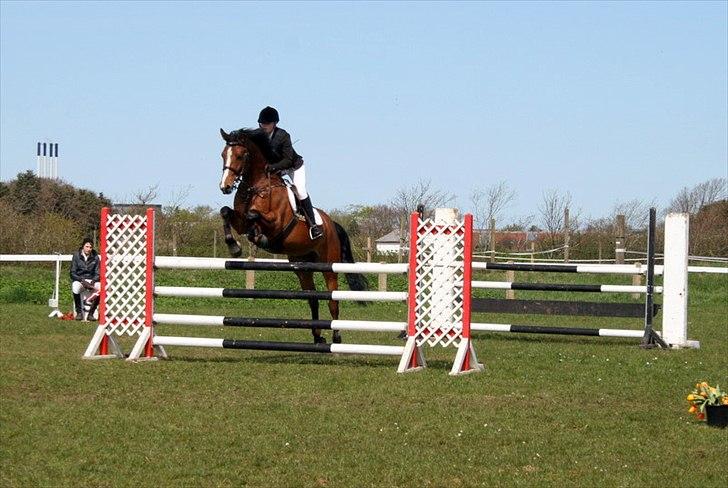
{"points": [[294, 204]]}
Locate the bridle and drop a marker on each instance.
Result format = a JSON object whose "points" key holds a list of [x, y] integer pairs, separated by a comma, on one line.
{"points": [[251, 191], [237, 172]]}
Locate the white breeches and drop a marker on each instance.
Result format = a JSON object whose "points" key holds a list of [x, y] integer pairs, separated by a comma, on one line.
{"points": [[299, 181], [77, 287]]}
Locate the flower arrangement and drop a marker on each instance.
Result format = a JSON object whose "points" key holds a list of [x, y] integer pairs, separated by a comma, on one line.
{"points": [[705, 395]]}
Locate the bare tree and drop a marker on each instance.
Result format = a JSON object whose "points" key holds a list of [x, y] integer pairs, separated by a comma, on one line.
{"points": [[488, 203], [551, 212], [522, 223], [691, 200], [407, 199], [146, 195], [636, 213], [178, 197]]}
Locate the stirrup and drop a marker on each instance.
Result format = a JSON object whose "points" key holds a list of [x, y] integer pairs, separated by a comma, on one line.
{"points": [[310, 232]]}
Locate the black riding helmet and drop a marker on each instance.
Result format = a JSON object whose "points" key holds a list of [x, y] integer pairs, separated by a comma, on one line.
{"points": [[268, 115]]}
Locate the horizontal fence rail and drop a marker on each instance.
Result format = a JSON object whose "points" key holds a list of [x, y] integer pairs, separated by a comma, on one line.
{"points": [[198, 292], [560, 307], [181, 262], [537, 329], [220, 320], [169, 262], [279, 346], [507, 285], [630, 269]]}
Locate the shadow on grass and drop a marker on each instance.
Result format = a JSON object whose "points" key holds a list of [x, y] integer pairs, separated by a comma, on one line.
{"points": [[553, 339], [314, 359]]}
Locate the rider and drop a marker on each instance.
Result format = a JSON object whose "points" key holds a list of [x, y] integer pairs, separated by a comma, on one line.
{"points": [[289, 162]]}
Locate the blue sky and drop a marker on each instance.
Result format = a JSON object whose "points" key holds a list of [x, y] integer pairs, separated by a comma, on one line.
{"points": [[610, 101]]}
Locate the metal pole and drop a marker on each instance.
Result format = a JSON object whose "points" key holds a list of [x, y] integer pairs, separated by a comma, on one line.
{"points": [[649, 339]]}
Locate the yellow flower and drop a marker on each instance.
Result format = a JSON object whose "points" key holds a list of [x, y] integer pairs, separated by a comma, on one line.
{"points": [[691, 397], [693, 409]]}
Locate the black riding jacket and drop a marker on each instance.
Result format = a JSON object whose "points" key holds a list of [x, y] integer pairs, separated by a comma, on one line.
{"points": [[85, 269], [283, 149]]}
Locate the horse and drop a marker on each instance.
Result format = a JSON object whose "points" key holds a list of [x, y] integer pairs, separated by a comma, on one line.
{"points": [[262, 212]]}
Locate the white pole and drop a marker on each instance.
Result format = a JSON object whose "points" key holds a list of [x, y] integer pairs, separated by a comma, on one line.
{"points": [[675, 281], [58, 279]]}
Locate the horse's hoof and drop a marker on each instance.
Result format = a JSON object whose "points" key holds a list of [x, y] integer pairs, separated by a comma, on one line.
{"points": [[336, 339], [235, 251], [319, 340]]}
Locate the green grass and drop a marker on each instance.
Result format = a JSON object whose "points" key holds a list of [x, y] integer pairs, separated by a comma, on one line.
{"points": [[547, 411]]}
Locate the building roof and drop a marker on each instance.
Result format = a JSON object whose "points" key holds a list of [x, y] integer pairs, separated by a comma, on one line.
{"points": [[392, 237]]}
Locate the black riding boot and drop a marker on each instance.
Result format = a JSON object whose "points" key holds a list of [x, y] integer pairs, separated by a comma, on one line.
{"points": [[307, 208], [79, 306], [92, 310]]}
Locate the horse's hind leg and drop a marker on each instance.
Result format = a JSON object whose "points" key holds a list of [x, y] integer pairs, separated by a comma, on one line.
{"points": [[231, 219], [332, 284], [305, 278]]}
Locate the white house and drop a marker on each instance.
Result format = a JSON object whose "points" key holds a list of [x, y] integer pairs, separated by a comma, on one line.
{"points": [[389, 243]]}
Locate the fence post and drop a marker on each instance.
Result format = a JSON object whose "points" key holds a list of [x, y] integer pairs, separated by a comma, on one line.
{"points": [[675, 280], [382, 279], [619, 241], [250, 274], [401, 240], [567, 235], [510, 277], [533, 251], [637, 279], [599, 246], [369, 249]]}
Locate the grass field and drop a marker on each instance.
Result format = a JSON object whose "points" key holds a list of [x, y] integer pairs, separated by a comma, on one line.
{"points": [[547, 411]]}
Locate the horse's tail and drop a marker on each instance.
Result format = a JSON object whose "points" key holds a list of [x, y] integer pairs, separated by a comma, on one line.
{"points": [[356, 281]]}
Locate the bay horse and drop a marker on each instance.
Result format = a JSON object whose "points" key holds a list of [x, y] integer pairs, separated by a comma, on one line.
{"points": [[262, 212]]}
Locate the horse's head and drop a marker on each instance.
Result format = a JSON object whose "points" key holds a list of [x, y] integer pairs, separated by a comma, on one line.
{"points": [[235, 157]]}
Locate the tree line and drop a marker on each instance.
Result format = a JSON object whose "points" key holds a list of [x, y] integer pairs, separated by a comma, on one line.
{"points": [[43, 216]]}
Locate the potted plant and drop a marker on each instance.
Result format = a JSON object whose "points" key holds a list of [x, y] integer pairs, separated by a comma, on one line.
{"points": [[709, 404]]}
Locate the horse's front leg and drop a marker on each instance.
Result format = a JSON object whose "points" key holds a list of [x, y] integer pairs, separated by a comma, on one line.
{"points": [[255, 233], [230, 220], [332, 284]]}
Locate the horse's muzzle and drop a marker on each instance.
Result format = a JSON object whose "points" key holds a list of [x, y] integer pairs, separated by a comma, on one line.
{"points": [[227, 190]]}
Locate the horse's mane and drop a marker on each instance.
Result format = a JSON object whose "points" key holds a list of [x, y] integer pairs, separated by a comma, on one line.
{"points": [[259, 138]]}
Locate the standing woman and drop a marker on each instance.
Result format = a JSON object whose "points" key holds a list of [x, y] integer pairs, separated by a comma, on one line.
{"points": [[289, 162]]}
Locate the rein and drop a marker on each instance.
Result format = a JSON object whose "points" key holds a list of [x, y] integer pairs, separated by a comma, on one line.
{"points": [[263, 190]]}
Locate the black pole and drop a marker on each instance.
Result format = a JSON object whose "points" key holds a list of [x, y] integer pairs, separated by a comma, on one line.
{"points": [[650, 339]]}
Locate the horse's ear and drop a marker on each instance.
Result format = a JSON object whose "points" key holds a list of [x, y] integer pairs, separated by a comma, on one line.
{"points": [[225, 135]]}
